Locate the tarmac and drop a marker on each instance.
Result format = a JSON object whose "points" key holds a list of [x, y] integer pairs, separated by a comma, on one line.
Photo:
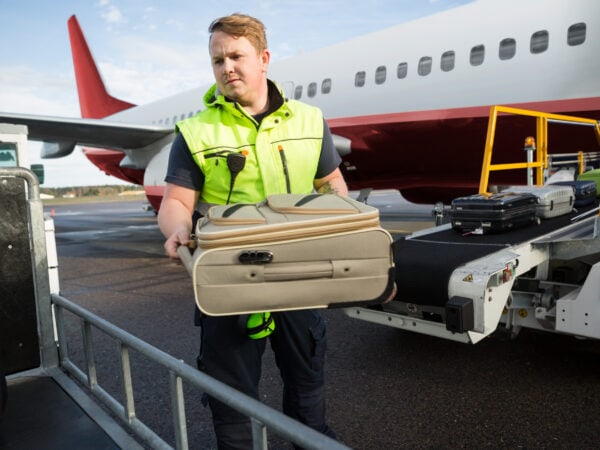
{"points": [[386, 388]]}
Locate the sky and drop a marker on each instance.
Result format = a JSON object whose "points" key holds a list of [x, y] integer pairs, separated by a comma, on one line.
{"points": [[149, 49]]}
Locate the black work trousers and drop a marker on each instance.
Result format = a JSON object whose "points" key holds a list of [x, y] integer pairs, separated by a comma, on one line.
{"points": [[227, 354]]}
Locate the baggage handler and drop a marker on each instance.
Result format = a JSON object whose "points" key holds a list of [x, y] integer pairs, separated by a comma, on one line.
{"points": [[250, 142]]}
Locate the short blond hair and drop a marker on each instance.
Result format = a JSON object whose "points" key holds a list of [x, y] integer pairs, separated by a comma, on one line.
{"points": [[242, 25]]}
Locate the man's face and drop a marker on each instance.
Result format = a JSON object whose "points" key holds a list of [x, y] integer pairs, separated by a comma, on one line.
{"points": [[239, 70]]}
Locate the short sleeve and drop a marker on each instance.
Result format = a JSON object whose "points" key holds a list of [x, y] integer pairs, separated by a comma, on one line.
{"points": [[182, 169], [329, 159]]}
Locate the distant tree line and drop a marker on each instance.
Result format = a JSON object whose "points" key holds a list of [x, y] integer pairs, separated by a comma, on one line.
{"points": [[90, 191]]}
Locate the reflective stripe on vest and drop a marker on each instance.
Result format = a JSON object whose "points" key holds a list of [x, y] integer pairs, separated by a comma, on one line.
{"points": [[293, 133]]}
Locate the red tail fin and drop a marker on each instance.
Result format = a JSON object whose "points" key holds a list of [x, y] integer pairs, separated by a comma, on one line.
{"points": [[94, 100]]}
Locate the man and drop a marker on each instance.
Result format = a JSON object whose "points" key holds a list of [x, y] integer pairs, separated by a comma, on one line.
{"points": [[248, 143]]}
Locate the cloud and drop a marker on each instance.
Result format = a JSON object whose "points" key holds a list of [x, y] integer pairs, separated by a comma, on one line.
{"points": [[25, 90], [111, 14], [146, 70]]}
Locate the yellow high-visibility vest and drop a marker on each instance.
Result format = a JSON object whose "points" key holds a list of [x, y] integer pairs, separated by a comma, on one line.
{"points": [[282, 151]]}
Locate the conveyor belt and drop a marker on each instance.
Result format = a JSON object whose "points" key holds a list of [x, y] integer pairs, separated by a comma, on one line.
{"points": [[425, 263]]}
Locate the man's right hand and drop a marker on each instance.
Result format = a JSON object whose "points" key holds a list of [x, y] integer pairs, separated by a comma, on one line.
{"points": [[180, 237], [175, 217]]}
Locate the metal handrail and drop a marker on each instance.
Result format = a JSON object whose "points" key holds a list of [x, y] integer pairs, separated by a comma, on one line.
{"points": [[541, 160], [262, 416], [580, 159]]}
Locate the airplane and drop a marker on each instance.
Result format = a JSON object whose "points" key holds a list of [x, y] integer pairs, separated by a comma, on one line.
{"points": [[408, 106]]}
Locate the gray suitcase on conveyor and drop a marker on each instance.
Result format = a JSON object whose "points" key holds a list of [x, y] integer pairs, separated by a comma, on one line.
{"points": [[290, 252], [552, 200]]}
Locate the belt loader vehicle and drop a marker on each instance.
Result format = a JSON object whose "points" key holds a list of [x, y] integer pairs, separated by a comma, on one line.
{"points": [[466, 286]]}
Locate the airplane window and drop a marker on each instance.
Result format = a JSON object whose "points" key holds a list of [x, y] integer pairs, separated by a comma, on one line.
{"points": [[424, 66], [380, 74], [182, 116], [174, 119], [507, 49], [167, 121], [447, 61], [312, 89], [576, 35], [402, 70], [326, 86], [477, 55], [191, 113], [359, 79], [298, 92], [539, 42], [160, 121]]}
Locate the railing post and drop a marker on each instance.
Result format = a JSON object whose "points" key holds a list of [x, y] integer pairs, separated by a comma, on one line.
{"points": [[178, 407], [487, 154], [259, 435], [88, 351], [127, 384], [542, 149], [63, 345]]}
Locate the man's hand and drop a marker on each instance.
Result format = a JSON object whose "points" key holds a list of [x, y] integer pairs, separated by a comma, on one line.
{"points": [[175, 217], [180, 237]]}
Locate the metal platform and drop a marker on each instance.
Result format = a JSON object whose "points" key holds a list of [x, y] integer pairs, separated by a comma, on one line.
{"points": [[41, 414]]}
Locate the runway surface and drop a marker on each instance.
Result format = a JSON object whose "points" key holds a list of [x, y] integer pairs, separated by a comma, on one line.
{"points": [[386, 388]]}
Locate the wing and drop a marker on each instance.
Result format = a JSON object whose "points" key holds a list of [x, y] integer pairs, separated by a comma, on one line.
{"points": [[63, 134]]}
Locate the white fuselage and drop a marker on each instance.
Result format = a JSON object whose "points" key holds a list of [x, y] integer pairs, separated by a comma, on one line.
{"points": [[538, 64]]}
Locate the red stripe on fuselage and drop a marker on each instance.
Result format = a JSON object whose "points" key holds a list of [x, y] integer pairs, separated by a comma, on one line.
{"points": [[587, 107]]}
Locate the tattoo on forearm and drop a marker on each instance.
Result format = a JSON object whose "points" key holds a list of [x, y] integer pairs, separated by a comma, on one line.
{"points": [[327, 188]]}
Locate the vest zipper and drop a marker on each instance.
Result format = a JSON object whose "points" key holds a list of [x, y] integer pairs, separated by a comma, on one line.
{"points": [[285, 168]]}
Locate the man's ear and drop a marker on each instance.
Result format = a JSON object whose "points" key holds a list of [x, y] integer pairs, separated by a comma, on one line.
{"points": [[265, 57]]}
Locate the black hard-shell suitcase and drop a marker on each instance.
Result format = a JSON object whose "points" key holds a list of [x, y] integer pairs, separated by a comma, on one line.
{"points": [[492, 213], [585, 191]]}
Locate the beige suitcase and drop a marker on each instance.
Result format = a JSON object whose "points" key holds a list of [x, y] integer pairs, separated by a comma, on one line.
{"points": [[290, 252]]}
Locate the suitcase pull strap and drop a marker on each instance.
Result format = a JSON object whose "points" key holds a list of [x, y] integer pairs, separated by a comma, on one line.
{"points": [[315, 204], [308, 198], [229, 211], [238, 214]]}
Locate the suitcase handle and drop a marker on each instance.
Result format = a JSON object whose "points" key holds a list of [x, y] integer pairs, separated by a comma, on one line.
{"points": [[185, 255], [298, 271]]}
